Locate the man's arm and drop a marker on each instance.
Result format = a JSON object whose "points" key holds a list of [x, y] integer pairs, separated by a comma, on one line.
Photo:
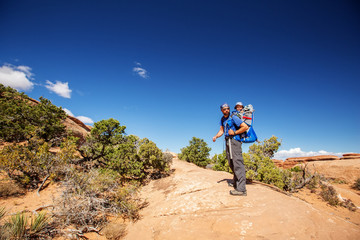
{"points": [[219, 134], [243, 128]]}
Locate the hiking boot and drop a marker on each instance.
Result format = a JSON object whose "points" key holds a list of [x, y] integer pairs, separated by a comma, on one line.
{"points": [[230, 184], [237, 193]]}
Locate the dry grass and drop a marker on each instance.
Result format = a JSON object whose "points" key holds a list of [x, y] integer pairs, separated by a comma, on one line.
{"points": [[115, 231]]}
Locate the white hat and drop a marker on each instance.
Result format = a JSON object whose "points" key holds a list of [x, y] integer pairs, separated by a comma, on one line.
{"points": [[238, 103]]}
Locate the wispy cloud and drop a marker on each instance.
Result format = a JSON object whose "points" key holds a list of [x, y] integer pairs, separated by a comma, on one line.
{"points": [[140, 71], [68, 112], [60, 88], [84, 119], [18, 77], [297, 152]]}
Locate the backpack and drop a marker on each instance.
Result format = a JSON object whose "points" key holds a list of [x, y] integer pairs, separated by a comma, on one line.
{"points": [[247, 117]]}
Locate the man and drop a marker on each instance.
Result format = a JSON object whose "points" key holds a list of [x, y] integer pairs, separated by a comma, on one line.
{"points": [[233, 128]]}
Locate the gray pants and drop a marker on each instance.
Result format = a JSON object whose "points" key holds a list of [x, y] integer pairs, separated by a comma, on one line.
{"points": [[236, 164]]}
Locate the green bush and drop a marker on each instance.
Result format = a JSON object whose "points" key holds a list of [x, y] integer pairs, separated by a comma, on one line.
{"points": [[29, 164], [21, 118], [108, 147], [197, 152], [221, 163]]}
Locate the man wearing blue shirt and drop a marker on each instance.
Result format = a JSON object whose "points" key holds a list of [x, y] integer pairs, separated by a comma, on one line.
{"points": [[234, 128]]}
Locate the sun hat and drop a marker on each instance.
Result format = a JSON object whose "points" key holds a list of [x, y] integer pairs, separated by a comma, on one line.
{"points": [[238, 103]]}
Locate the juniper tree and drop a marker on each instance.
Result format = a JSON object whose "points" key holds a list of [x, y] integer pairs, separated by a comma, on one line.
{"points": [[197, 152]]}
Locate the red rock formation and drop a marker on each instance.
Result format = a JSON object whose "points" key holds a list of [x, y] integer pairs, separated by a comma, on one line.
{"points": [[350, 156], [278, 163], [313, 158]]}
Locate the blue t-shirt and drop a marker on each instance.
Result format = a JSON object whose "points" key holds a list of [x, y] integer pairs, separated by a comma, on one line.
{"points": [[231, 123]]}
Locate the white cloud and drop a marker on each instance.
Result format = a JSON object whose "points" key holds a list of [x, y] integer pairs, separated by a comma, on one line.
{"points": [[140, 71], [297, 152], [60, 88], [68, 112], [26, 70], [16, 77], [85, 120]]}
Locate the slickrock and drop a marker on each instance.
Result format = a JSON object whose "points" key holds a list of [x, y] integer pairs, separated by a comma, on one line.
{"points": [[194, 203]]}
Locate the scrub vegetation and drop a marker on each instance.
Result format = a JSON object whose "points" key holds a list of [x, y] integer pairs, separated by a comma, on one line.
{"points": [[100, 176]]}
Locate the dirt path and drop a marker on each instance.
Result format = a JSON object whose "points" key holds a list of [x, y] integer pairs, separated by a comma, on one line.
{"points": [[194, 203]]}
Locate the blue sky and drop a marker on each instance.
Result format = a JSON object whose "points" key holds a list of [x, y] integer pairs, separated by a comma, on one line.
{"points": [[162, 68]]}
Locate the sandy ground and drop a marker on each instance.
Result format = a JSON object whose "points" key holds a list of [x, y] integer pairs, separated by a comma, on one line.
{"points": [[194, 203]]}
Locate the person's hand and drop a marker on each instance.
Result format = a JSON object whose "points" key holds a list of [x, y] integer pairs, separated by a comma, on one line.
{"points": [[231, 132], [214, 139]]}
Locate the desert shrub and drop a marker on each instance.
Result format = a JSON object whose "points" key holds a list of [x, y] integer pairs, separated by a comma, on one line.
{"points": [[259, 166], [357, 184], [28, 164], [349, 205], [197, 152], [329, 194], [167, 159], [108, 147], [9, 188], [296, 169], [221, 163], [314, 183], [20, 226], [89, 198], [21, 119]]}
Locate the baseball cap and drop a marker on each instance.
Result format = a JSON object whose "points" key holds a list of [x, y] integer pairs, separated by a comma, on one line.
{"points": [[224, 105]]}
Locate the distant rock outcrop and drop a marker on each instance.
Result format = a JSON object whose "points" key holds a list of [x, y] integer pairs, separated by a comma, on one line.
{"points": [[291, 162], [350, 156]]}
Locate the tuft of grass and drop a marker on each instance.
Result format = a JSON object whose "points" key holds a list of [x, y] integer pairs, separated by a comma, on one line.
{"points": [[39, 223], [16, 226], [115, 231]]}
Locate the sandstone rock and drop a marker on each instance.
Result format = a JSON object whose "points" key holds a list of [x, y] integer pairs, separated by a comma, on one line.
{"points": [[351, 155], [313, 158], [278, 163], [76, 127]]}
